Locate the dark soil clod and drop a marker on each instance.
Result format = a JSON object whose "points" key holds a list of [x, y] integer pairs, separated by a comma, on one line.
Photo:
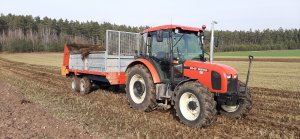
{"points": [[23, 101]]}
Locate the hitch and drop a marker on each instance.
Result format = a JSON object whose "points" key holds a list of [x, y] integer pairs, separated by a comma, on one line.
{"points": [[248, 74]]}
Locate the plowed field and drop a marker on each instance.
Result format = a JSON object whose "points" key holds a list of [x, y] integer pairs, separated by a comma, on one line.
{"points": [[105, 113]]}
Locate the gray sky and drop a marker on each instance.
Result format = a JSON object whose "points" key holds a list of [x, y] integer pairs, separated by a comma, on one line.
{"points": [[230, 14]]}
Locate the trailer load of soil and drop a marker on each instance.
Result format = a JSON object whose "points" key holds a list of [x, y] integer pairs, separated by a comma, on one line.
{"points": [[85, 49]]}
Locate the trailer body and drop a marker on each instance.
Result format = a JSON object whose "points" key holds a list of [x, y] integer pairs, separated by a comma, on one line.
{"points": [[105, 66]]}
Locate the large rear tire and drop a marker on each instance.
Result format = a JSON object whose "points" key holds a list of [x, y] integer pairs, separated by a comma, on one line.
{"points": [[242, 109], [140, 89], [75, 84], [85, 85], [195, 105]]}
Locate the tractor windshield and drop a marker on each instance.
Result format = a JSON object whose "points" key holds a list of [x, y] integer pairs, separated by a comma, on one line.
{"points": [[187, 47]]}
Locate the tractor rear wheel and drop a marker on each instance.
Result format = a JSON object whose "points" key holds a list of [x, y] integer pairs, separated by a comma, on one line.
{"points": [[195, 105], [140, 89], [85, 85], [242, 109], [75, 84]]}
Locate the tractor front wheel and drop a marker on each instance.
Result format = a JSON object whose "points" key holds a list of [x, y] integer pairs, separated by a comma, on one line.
{"points": [[140, 89], [195, 105], [244, 106]]}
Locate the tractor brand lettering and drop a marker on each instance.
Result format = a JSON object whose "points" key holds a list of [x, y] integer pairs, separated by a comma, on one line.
{"points": [[195, 68]]}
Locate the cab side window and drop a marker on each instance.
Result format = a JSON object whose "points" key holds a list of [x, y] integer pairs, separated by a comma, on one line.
{"points": [[160, 50]]}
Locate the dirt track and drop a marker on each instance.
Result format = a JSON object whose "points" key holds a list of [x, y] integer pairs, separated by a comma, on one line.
{"points": [[21, 118], [275, 113]]}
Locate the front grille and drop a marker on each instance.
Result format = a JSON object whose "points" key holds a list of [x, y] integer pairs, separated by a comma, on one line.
{"points": [[232, 85], [216, 80]]}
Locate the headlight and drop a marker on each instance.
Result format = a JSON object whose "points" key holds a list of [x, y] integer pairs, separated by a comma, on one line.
{"points": [[235, 76], [228, 76]]}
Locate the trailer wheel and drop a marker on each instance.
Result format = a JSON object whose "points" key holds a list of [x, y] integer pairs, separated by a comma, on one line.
{"points": [[75, 84], [242, 109], [85, 85], [195, 105], [140, 89]]}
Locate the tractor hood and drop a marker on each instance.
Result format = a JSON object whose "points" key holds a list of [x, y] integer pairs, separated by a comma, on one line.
{"points": [[221, 68], [225, 68], [208, 74]]}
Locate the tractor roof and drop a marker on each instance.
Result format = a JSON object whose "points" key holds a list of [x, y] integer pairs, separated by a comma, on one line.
{"points": [[165, 27]]}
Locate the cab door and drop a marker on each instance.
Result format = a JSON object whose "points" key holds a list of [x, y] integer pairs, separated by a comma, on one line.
{"points": [[159, 52]]}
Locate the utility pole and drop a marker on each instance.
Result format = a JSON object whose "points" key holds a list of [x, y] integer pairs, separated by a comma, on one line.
{"points": [[211, 55]]}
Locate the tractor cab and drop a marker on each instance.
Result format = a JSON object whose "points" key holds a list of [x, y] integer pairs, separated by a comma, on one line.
{"points": [[169, 46]]}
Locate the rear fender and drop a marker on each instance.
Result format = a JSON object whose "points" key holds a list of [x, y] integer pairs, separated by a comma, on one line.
{"points": [[149, 66]]}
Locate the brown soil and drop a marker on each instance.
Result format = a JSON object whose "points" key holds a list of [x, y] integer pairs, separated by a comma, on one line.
{"points": [[275, 113], [21, 118], [85, 49], [261, 59]]}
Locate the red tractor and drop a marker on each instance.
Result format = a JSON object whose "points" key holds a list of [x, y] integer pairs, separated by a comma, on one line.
{"points": [[169, 70]]}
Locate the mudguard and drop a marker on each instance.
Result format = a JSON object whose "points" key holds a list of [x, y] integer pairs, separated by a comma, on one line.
{"points": [[149, 66]]}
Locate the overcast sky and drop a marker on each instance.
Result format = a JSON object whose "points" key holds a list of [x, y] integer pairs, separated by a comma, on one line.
{"points": [[230, 14]]}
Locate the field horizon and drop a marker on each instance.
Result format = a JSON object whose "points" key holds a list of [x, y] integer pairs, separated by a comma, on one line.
{"points": [[270, 67]]}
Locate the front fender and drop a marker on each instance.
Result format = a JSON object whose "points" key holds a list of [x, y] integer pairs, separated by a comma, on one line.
{"points": [[184, 81]]}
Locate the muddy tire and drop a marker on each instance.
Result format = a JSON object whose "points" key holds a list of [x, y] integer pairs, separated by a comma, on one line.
{"points": [[195, 105], [140, 89], [243, 108], [75, 84], [85, 85]]}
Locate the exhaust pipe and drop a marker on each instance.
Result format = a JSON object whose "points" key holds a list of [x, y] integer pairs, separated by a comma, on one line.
{"points": [[211, 52]]}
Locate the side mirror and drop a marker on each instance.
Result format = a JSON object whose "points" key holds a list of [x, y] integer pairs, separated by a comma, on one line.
{"points": [[216, 42], [159, 36]]}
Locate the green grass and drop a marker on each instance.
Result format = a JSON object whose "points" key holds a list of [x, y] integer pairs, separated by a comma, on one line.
{"points": [[272, 53]]}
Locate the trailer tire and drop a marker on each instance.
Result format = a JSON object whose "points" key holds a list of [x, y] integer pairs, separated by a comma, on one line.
{"points": [[195, 105], [85, 85], [244, 107], [75, 84], [140, 89]]}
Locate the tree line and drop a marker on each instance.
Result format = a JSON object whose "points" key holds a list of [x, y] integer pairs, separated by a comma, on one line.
{"points": [[25, 33], [19, 33], [280, 39]]}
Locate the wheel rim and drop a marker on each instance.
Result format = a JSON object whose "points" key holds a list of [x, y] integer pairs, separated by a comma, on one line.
{"points": [[82, 84], [73, 84], [137, 89], [189, 106], [230, 108]]}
